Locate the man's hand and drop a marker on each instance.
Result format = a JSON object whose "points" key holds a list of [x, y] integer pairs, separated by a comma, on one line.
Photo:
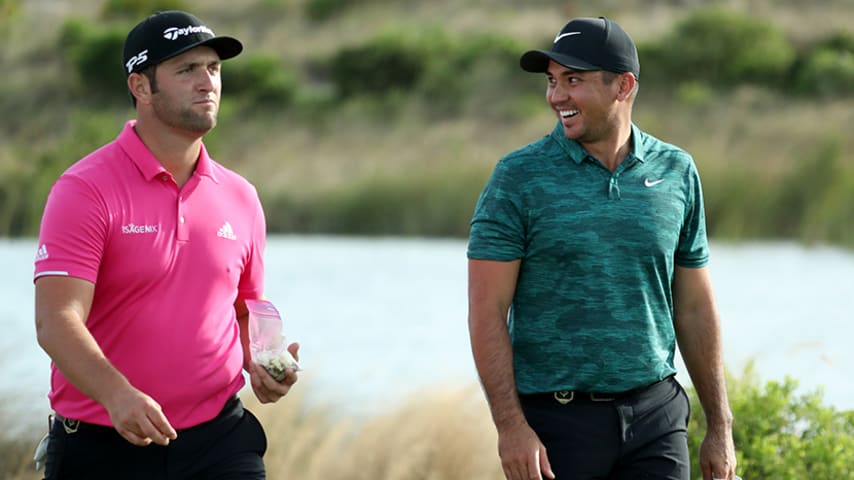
{"points": [[523, 456], [139, 419], [266, 388], [717, 455]]}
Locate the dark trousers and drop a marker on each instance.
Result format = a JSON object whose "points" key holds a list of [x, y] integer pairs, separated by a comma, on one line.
{"points": [[643, 435], [229, 447]]}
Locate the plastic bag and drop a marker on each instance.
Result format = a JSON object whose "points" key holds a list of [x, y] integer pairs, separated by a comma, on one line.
{"points": [[268, 346]]}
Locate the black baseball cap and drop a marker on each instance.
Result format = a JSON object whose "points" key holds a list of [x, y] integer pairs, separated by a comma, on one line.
{"points": [[164, 35], [587, 44]]}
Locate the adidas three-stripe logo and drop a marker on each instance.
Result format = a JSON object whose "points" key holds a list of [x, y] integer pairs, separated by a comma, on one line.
{"points": [[225, 231]]}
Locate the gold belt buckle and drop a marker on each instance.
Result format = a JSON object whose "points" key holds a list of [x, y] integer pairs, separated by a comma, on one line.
{"points": [[70, 425], [564, 396]]}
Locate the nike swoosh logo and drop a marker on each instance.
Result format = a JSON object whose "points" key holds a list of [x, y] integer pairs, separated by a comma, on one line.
{"points": [[567, 34], [651, 183]]}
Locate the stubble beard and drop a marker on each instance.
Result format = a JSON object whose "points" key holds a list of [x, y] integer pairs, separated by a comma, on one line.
{"points": [[184, 117]]}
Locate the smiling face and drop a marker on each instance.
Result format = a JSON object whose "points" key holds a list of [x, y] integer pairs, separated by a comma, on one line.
{"points": [[586, 102], [187, 91]]}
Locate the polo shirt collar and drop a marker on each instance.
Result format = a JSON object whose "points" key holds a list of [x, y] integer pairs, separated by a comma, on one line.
{"points": [[577, 153], [147, 164]]}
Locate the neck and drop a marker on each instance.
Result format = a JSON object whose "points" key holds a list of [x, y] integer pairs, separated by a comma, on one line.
{"points": [[177, 151], [613, 148]]}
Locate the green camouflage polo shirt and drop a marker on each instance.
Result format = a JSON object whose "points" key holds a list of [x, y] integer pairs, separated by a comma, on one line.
{"points": [[593, 308]]}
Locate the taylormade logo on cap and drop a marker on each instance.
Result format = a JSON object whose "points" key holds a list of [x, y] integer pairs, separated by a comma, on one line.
{"points": [[173, 33]]}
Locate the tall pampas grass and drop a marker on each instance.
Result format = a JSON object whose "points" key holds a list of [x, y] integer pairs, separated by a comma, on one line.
{"points": [[443, 434]]}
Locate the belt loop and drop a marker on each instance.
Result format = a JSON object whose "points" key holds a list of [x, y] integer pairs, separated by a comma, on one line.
{"points": [[564, 396]]}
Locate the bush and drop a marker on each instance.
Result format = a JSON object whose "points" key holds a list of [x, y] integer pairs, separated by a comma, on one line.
{"points": [[483, 67], [392, 61], [781, 434], [720, 47], [94, 54], [430, 63], [260, 78], [828, 69]]}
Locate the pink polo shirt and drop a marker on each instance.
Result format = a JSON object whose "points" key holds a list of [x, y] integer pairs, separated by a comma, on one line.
{"points": [[167, 265]]}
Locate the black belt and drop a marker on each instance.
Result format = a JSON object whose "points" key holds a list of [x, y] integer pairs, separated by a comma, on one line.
{"points": [[71, 425], [564, 397]]}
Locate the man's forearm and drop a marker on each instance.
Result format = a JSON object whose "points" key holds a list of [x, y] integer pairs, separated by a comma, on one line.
{"points": [[700, 345], [493, 358], [77, 355]]}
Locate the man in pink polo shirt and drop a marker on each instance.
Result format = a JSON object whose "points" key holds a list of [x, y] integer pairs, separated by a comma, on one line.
{"points": [[148, 249]]}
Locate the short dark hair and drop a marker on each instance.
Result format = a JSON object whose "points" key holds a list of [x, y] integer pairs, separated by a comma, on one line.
{"points": [[150, 73], [608, 77]]}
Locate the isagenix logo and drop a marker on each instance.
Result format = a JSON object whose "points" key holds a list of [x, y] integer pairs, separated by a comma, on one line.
{"points": [[139, 229]]}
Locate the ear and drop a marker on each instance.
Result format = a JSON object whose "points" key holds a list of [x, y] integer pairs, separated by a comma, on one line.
{"points": [[627, 86], [139, 87]]}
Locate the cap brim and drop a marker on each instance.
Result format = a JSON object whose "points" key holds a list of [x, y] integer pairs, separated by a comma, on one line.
{"points": [[226, 47], [537, 61]]}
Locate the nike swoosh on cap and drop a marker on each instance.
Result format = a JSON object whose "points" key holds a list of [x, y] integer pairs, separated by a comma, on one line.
{"points": [[567, 34]]}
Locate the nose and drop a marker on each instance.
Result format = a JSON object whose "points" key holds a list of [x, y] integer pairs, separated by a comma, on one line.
{"points": [[557, 93], [208, 80]]}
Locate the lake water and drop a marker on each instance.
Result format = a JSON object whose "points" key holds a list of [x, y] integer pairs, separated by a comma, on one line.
{"points": [[380, 318]]}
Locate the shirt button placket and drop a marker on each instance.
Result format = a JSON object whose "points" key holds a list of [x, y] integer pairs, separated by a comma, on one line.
{"points": [[183, 233]]}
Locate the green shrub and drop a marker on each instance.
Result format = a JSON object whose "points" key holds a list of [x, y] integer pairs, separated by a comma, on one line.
{"points": [[429, 62], [260, 78], [136, 10], [827, 71], [482, 68], [719, 46], [391, 61], [780, 433], [94, 54]]}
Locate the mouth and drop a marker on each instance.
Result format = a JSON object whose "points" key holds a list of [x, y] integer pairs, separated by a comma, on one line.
{"points": [[567, 113]]}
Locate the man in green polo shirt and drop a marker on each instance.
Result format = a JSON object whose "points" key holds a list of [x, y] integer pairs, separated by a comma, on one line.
{"points": [[587, 263]]}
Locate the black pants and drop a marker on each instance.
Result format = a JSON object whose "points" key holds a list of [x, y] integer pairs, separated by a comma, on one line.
{"points": [[640, 436], [229, 447]]}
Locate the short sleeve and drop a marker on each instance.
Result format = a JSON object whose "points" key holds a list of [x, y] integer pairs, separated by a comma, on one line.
{"points": [[73, 230], [693, 248], [498, 223], [251, 284]]}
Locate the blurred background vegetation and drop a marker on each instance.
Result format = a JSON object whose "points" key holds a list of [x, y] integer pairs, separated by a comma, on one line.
{"points": [[383, 117]]}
